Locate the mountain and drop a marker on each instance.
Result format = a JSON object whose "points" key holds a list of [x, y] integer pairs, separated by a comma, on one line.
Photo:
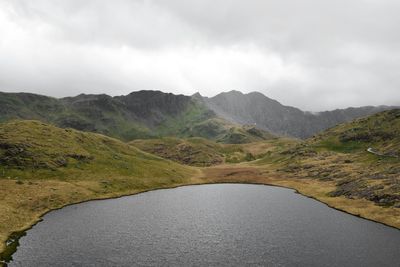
{"points": [[230, 117], [142, 114], [268, 114], [137, 115]]}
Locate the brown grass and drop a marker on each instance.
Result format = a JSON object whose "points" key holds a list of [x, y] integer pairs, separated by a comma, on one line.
{"points": [[308, 187], [23, 205], [113, 168]]}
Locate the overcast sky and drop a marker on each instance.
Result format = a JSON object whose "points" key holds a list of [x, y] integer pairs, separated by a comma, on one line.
{"points": [[312, 54]]}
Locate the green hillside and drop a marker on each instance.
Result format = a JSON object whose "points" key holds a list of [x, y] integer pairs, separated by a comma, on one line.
{"points": [[43, 167], [226, 132], [32, 149], [381, 132], [139, 115], [340, 155], [193, 151], [201, 152]]}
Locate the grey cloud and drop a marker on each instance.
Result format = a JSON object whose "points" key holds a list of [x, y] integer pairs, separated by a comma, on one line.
{"points": [[311, 54]]}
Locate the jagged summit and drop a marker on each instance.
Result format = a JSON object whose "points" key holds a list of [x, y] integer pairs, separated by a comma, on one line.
{"points": [[270, 115], [197, 94]]}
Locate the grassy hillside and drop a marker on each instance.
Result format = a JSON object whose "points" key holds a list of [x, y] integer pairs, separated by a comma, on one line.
{"points": [[14, 105], [31, 149], [226, 132], [201, 152], [340, 155], [43, 167], [380, 132], [99, 113], [193, 151], [139, 115]]}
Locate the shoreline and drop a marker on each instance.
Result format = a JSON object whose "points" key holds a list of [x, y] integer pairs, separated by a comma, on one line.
{"points": [[13, 239]]}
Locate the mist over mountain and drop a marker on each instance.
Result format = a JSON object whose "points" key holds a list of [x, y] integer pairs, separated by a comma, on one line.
{"points": [[270, 115]]}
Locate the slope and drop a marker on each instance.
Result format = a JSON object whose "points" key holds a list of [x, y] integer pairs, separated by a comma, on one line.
{"points": [[142, 114], [201, 152], [361, 158], [270, 115], [43, 167]]}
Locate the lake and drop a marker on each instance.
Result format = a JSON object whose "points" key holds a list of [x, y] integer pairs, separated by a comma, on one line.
{"points": [[220, 224]]}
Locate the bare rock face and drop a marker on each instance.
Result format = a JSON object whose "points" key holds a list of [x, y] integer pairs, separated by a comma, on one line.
{"points": [[154, 107]]}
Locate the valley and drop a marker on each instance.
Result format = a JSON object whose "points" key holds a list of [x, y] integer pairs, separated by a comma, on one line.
{"points": [[45, 167], [203, 133]]}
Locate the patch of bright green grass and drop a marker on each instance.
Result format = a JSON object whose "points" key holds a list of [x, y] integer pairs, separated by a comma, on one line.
{"points": [[332, 144]]}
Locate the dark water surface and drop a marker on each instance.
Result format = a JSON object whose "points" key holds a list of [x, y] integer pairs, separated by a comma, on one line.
{"points": [[223, 224]]}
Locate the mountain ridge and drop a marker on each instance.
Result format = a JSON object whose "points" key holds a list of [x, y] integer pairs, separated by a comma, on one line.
{"points": [[270, 115], [154, 114], [138, 115]]}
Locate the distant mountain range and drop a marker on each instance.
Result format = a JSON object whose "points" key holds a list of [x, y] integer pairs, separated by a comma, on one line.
{"points": [[270, 115], [230, 117]]}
